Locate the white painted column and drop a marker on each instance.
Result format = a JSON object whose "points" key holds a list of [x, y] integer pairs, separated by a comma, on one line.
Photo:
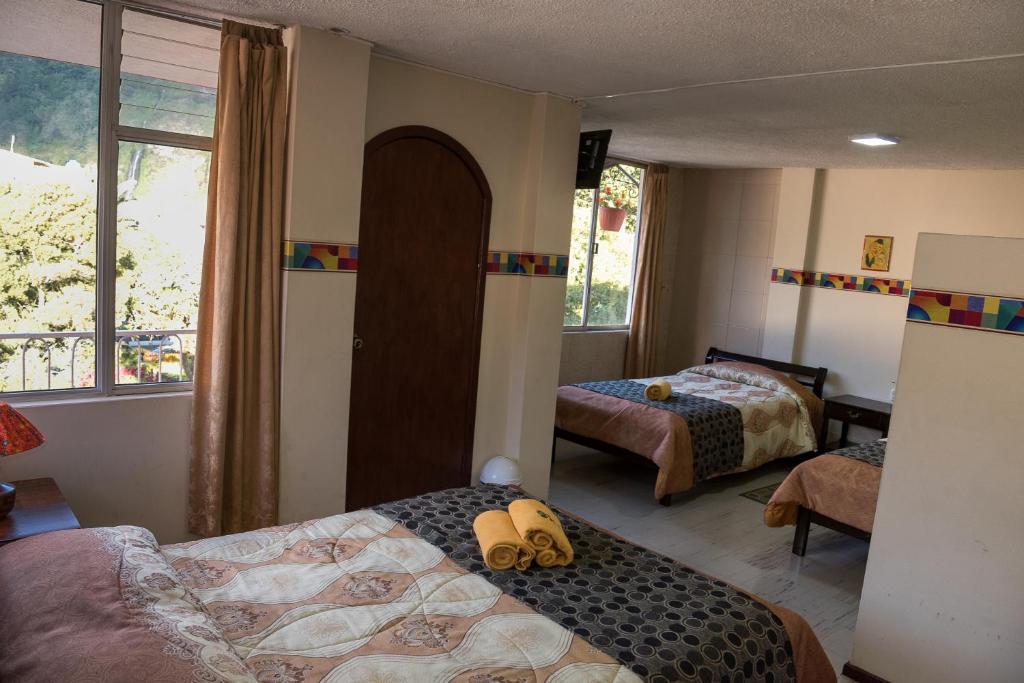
{"points": [[329, 76], [535, 351], [794, 224], [943, 596]]}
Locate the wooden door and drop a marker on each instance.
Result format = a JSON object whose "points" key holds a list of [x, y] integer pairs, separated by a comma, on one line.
{"points": [[425, 215]]}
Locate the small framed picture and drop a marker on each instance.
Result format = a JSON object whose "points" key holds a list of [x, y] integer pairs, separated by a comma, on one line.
{"points": [[877, 252]]}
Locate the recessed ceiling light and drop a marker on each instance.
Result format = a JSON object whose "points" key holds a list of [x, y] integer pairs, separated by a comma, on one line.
{"points": [[875, 140]]}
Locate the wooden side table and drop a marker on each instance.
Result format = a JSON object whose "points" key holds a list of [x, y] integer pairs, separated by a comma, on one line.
{"points": [[855, 410], [40, 507]]}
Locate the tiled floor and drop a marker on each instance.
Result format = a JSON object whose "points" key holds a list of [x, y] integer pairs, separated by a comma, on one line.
{"points": [[715, 530]]}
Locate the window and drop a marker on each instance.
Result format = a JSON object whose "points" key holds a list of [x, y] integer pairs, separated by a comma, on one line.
{"points": [[168, 95], [103, 180], [602, 257]]}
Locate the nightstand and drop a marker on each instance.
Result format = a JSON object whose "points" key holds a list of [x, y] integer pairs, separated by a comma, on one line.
{"points": [[39, 507], [854, 410]]}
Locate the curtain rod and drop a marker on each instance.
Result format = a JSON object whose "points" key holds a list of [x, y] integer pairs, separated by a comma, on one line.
{"points": [[177, 15], [193, 19], [610, 157]]}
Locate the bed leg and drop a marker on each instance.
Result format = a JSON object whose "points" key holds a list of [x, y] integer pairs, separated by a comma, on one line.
{"points": [[554, 447], [666, 500], [803, 528]]}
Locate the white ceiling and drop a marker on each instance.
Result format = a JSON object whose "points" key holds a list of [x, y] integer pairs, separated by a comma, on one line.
{"points": [[952, 115]]}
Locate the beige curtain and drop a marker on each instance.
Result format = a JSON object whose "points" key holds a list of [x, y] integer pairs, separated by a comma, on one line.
{"points": [[235, 413], [643, 329]]}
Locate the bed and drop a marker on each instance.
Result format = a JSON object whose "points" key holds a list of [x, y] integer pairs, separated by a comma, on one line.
{"points": [[838, 490], [732, 414], [389, 594]]}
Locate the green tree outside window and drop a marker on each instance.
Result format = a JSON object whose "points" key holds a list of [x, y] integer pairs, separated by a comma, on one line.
{"points": [[610, 256]]}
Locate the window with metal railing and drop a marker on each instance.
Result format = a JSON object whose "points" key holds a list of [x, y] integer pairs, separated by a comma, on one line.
{"points": [[106, 113]]}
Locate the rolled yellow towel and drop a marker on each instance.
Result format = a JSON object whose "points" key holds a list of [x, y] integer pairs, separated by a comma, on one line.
{"points": [[502, 546], [542, 531], [658, 390]]}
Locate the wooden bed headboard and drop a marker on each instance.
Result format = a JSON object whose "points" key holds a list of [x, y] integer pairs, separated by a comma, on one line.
{"points": [[806, 375]]}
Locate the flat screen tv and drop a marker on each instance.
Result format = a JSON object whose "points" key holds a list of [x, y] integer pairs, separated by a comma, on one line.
{"points": [[590, 165]]}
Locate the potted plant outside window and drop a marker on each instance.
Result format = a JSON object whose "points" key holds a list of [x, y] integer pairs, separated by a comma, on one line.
{"points": [[611, 211]]}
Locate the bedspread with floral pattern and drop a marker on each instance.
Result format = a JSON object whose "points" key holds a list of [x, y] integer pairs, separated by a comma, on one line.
{"points": [[358, 597], [779, 415], [389, 595]]}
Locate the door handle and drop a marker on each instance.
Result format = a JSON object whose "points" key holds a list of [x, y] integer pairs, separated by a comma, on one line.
{"points": [[357, 342]]}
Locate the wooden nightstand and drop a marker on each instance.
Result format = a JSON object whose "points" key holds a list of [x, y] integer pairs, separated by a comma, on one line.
{"points": [[40, 507], [854, 410]]}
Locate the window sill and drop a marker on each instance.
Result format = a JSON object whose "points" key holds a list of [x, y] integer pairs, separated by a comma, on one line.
{"points": [[595, 330], [87, 398]]}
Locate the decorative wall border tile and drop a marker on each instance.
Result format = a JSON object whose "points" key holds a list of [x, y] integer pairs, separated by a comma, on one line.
{"points": [[973, 311], [344, 258], [338, 258], [526, 263], [853, 283]]}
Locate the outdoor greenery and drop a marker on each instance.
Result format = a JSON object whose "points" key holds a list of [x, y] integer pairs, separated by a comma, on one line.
{"points": [[612, 271], [48, 233], [51, 108], [165, 105], [48, 279]]}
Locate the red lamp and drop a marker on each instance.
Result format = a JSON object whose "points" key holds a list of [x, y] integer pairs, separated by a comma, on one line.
{"points": [[17, 434]]}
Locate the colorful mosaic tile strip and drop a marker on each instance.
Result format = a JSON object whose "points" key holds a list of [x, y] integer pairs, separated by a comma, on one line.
{"points": [[975, 311], [854, 283], [524, 263], [344, 258], [340, 258]]}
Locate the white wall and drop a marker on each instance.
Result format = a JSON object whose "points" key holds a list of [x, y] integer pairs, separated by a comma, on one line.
{"points": [[943, 596], [823, 218], [592, 356], [722, 262], [117, 460], [325, 157]]}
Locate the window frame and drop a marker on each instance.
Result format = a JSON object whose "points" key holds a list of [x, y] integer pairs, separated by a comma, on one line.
{"points": [[584, 325], [111, 134]]}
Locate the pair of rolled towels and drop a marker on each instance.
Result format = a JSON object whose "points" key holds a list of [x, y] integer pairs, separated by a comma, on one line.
{"points": [[528, 531], [658, 390]]}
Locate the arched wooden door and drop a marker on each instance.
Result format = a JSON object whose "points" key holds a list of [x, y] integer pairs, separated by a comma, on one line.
{"points": [[425, 217]]}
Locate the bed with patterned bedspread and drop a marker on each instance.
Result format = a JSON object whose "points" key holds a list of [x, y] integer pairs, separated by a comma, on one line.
{"points": [[841, 486], [393, 594], [721, 418]]}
